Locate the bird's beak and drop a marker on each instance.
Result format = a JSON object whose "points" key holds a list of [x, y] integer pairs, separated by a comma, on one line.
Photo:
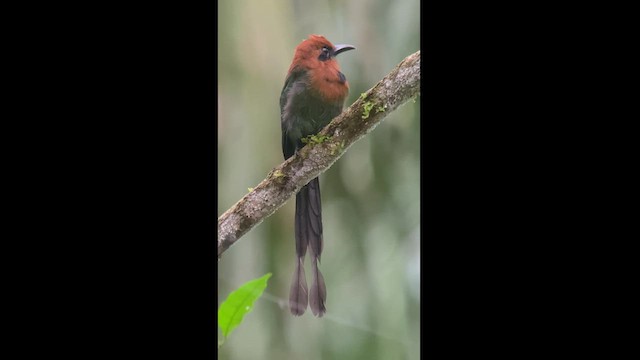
{"points": [[342, 48]]}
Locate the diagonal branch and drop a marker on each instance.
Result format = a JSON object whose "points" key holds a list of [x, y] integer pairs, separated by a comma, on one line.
{"points": [[399, 86]]}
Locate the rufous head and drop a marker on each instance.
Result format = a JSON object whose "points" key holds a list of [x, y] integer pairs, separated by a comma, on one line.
{"points": [[315, 50]]}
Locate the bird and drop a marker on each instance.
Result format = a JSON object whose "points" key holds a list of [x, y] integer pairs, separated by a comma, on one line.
{"points": [[313, 94]]}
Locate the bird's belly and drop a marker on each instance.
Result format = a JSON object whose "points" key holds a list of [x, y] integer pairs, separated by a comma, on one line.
{"points": [[305, 126], [312, 126]]}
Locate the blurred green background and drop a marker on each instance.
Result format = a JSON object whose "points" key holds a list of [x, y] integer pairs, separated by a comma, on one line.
{"points": [[370, 197]]}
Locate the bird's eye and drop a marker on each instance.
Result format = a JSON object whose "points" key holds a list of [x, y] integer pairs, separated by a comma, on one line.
{"points": [[325, 54]]}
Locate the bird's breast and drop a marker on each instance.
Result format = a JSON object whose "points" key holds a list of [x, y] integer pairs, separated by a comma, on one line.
{"points": [[330, 84]]}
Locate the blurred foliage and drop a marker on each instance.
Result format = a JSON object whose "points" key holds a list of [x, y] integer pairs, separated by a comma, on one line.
{"points": [[370, 197]]}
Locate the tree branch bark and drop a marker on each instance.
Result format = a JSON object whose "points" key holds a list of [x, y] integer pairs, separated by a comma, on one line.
{"points": [[399, 86]]}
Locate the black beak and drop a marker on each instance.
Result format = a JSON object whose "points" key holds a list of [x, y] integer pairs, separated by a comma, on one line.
{"points": [[342, 48]]}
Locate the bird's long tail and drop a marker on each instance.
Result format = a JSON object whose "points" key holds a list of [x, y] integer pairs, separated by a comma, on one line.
{"points": [[309, 233]]}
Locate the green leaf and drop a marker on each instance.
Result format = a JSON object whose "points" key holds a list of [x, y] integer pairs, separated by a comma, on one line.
{"points": [[239, 303]]}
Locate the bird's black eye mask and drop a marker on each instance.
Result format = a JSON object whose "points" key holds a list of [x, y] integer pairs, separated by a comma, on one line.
{"points": [[325, 54]]}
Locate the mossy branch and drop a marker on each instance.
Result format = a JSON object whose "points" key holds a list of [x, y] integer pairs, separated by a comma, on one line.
{"points": [[399, 86]]}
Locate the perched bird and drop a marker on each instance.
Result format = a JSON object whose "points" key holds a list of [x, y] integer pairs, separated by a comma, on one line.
{"points": [[313, 94]]}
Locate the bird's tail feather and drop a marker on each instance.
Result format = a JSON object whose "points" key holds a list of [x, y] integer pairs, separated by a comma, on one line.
{"points": [[298, 295], [318, 292], [308, 226], [313, 204]]}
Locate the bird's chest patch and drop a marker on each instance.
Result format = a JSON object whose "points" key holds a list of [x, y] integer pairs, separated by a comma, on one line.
{"points": [[330, 84]]}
